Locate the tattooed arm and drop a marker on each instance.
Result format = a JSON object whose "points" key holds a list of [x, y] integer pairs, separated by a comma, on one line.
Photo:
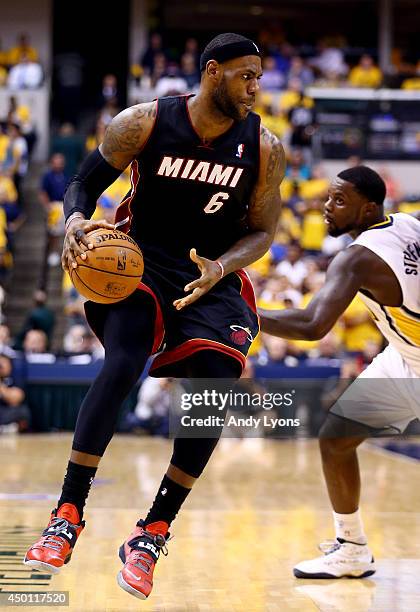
{"points": [[264, 208], [127, 134], [263, 216], [124, 139]]}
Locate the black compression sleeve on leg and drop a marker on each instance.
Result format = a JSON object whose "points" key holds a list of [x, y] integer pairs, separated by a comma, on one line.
{"points": [[84, 189], [191, 455], [128, 334]]}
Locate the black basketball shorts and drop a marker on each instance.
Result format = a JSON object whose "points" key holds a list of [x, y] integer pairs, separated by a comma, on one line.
{"points": [[224, 319]]}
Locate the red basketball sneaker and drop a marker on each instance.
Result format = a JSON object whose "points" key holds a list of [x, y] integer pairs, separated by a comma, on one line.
{"points": [[139, 553], [55, 546]]}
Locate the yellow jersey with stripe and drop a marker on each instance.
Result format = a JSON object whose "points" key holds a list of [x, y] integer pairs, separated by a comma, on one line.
{"points": [[397, 241]]}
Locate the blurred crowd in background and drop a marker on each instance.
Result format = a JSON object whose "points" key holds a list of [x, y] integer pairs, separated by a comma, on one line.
{"points": [[286, 277], [19, 65], [332, 63]]}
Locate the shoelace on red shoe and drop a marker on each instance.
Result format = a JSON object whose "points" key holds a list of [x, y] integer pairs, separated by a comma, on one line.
{"points": [[53, 536], [141, 560], [157, 539], [52, 541]]}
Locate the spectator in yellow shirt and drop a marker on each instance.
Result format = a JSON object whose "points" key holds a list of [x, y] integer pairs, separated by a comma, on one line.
{"points": [[262, 265], [293, 96], [316, 186], [359, 328], [275, 122], [4, 56], [288, 229], [9, 203], [5, 258], [21, 50], [313, 225], [4, 144], [412, 82], [365, 74]]}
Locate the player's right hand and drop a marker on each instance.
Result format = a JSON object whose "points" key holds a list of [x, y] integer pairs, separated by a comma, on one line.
{"points": [[77, 243]]}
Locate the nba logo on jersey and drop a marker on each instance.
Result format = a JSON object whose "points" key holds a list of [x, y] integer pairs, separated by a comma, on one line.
{"points": [[240, 151]]}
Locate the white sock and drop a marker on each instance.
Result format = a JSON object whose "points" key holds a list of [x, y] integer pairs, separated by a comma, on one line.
{"points": [[349, 527]]}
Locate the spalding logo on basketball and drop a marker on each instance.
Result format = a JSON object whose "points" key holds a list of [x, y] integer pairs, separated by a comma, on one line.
{"points": [[112, 269]]}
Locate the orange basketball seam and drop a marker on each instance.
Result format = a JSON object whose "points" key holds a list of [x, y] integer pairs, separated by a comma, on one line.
{"points": [[108, 271], [114, 246]]}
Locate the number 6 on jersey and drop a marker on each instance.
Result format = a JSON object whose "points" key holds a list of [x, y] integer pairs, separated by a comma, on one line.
{"points": [[216, 202]]}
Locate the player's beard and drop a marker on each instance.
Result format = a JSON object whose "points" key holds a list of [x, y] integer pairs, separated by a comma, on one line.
{"points": [[335, 231], [224, 103]]}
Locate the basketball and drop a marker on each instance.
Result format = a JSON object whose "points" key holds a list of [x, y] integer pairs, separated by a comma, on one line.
{"points": [[112, 269]]}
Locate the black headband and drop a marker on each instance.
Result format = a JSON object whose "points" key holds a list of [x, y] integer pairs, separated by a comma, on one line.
{"points": [[229, 51]]}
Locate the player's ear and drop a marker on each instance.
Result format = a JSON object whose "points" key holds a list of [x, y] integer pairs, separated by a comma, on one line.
{"points": [[370, 209], [213, 70]]}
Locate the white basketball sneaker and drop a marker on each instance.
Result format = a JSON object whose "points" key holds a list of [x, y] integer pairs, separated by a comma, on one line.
{"points": [[341, 559]]}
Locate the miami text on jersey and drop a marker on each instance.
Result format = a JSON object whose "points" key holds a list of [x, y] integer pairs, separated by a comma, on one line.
{"points": [[196, 170]]}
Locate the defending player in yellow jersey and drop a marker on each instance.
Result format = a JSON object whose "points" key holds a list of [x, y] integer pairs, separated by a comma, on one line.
{"points": [[382, 265]]}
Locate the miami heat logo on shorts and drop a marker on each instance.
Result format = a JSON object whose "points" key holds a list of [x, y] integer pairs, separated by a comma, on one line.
{"points": [[240, 335]]}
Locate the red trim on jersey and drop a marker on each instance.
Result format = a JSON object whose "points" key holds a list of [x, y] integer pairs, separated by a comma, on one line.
{"points": [[159, 325], [124, 208], [247, 290], [153, 128], [192, 346]]}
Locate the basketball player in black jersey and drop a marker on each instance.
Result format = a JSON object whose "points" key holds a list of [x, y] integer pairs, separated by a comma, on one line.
{"points": [[204, 199]]}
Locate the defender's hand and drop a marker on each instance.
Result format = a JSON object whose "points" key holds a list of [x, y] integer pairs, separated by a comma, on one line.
{"points": [[211, 273], [77, 243]]}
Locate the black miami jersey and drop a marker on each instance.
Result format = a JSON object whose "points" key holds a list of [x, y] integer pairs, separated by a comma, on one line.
{"points": [[186, 194]]}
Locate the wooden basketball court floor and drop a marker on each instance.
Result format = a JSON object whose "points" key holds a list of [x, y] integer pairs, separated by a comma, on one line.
{"points": [[260, 507]]}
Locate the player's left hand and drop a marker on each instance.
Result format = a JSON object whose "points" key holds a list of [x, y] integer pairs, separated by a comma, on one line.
{"points": [[211, 273]]}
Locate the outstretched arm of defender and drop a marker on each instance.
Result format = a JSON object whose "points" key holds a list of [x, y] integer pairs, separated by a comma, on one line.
{"points": [[345, 277], [263, 216], [124, 139]]}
